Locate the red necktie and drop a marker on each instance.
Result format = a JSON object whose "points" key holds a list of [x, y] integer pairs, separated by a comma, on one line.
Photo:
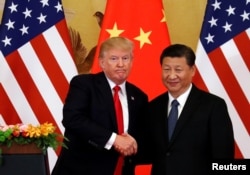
{"points": [[118, 109], [119, 119]]}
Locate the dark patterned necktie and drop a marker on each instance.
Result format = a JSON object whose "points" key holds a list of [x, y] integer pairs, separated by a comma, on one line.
{"points": [[172, 118]]}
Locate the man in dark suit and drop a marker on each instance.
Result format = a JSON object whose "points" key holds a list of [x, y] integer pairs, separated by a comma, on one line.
{"points": [[203, 132], [89, 116]]}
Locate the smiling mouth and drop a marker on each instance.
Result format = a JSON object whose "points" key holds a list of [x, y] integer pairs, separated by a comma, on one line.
{"points": [[173, 83]]}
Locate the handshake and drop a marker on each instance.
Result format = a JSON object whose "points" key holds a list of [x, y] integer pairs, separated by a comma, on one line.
{"points": [[125, 144]]}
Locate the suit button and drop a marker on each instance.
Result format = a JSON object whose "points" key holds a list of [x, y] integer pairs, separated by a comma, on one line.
{"points": [[168, 154]]}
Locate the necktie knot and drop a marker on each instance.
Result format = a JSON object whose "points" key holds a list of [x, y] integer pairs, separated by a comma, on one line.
{"points": [[117, 88], [174, 103]]}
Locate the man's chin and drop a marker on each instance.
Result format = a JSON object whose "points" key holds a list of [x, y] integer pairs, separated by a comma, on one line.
{"points": [[121, 75], [121, 79]]}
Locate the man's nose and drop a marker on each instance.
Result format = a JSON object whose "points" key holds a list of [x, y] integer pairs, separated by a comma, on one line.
{"points": [[172, 75], [120, 62]]}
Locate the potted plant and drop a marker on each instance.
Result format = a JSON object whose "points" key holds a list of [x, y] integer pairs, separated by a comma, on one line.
{"points": [[36, 137]]}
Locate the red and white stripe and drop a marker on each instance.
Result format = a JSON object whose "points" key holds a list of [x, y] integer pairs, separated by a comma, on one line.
{"points": [[35, 79], [225, 72]]}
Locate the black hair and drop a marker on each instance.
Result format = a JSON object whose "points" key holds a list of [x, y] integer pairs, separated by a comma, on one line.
{"points": [[179, 50]]}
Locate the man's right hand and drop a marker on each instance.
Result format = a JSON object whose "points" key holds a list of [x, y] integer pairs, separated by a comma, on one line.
{"points": [[125, 144]]}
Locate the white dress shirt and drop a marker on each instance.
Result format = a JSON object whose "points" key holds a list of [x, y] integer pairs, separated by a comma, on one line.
{"points": [[181, 99]]}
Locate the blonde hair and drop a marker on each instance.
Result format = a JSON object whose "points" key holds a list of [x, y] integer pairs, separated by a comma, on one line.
{"points": [[121, 43]]}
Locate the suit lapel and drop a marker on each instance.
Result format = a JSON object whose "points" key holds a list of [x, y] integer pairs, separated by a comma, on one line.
{"points": [[163, 109], [159, 119], [191, 104], [105, 91], [131, 98]]}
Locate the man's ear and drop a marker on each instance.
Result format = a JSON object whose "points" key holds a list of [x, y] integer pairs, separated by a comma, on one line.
{"points": [[101, 63], [194, 69]]}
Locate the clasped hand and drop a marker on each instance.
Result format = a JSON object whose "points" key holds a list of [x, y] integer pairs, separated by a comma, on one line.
{"points": [[125, 144]]}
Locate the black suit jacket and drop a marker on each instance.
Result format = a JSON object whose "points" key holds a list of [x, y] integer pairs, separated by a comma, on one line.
{"points": [[203, 133], [89, 120]]}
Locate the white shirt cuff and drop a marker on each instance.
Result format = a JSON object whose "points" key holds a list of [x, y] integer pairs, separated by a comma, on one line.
{"points": [[110, 142]]}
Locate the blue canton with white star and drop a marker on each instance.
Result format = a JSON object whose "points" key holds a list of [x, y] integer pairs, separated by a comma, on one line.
{"points": [[24, 19], [224, 19]]}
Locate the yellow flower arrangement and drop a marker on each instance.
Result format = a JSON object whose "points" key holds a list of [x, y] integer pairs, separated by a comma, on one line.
{"points": [[43, 135]]}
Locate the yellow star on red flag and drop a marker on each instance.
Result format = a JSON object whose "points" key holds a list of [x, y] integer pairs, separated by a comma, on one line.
{"points": [[114, 31], [143, 37]]}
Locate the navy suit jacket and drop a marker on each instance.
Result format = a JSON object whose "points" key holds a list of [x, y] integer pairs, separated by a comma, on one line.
{"points": [[89, 120], [202, 134]]}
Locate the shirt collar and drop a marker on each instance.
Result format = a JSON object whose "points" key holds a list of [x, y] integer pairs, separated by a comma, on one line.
{"points": [[182, 98], [122, 86]]}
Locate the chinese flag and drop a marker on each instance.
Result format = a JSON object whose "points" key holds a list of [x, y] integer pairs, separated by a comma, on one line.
{"points": [[144, 23]]}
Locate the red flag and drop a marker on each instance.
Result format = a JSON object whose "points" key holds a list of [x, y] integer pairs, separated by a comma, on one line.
{"points": [[223, 63], [144, 23], [36, 63]]}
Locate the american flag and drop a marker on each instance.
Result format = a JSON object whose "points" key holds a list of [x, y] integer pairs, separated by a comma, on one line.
{"points": [[36, 63], [223, 62]]}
